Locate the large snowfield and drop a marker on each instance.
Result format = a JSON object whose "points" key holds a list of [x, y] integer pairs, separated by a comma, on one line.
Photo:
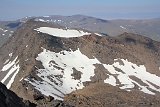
{"points": [[57, 79], [66, 33]]}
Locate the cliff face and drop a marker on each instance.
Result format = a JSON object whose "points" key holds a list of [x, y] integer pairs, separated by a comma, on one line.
{"points": [[43, 61]]}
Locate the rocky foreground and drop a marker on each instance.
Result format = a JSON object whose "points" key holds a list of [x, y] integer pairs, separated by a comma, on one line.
{"points": [[10, 99]]}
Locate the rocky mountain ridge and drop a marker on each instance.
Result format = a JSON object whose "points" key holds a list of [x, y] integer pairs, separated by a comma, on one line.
{"points": [[146, 27], [37, 63]]}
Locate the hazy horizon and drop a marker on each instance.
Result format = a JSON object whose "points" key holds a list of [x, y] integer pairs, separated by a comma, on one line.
{"points": [[104, 9]]}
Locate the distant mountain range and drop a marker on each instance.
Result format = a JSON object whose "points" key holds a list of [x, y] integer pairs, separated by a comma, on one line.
{"points": [[148, 27]]}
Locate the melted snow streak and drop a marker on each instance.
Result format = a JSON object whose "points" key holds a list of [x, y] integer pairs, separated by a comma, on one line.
{"points": [[97, 34], [12, 68], [57, 79], [66, 33], [128, 70]]}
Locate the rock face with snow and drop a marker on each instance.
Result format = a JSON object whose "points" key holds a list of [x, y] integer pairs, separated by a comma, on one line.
{"points": [[44, 61]]}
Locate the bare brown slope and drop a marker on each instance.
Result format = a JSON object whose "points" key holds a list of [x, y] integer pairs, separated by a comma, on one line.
{"points": [[103, 95]]}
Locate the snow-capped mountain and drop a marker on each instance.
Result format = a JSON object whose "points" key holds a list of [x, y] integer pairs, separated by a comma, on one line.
{"points": [[47, 60]]}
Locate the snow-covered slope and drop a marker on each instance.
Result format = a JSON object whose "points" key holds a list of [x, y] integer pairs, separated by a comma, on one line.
{"points": [[57, 79], [57, 76], [11, 69], [124, 73]]}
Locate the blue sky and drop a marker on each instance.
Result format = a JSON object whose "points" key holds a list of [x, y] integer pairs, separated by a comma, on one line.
{"points": [[106, 9]]}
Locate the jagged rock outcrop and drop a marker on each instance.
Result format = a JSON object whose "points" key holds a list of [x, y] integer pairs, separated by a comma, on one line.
{"points": [[10, 99]]}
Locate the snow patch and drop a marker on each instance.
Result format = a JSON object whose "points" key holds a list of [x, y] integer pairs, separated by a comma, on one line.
{"points": [[10, 55], [13, 68], [97, 34], [10, 35], [5, 30], [130, 69], [1, 29], [9, 64], [57, 75], [6, 61], [111, 80], [123, 27], [42, 20], [12, 31], [13, 77], [26, 60], [21, 79], [66, 33], [45, 16]]}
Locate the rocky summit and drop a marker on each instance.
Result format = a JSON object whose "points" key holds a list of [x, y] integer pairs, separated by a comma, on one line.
{"points": [[52, 65]]}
